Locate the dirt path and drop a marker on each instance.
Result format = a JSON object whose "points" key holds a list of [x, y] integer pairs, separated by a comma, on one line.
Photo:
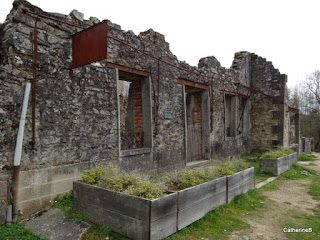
{"points": [[315, 167], [291, 197]]}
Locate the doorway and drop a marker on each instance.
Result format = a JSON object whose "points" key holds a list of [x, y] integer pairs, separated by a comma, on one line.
{"points": [[196, 124]]}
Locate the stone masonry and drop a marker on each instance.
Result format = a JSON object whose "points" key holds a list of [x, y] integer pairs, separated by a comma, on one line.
{"points": [[78, 110]]}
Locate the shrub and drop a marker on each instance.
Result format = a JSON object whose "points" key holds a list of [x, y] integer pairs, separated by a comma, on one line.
{"points": [[280, 152], [230, 167], [93, 176], [188, 178], [129, 183]]}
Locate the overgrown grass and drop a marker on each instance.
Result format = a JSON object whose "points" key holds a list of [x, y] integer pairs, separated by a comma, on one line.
{"points": [[258, 175], [65, 204], [307, 220], [280, 152], [96, 232], [130, 183], [191, 177], [222, 221], [297, 172], [307, 157], [17, 232]]}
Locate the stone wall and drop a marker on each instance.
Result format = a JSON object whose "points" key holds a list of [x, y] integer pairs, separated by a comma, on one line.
{"points": [[78, 111], [268, 115], [3, 196], [306, 145]]}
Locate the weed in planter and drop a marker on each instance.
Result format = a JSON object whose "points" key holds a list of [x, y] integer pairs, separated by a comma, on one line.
{"points": [[280, 152], [94, 175], [230, 167], [145, 189], [129, 183], [17, 231], [188, 178]]}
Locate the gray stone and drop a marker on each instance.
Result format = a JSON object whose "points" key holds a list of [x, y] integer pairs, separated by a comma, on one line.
{"points": [[77, 15], [77, 111], [54, 225]]}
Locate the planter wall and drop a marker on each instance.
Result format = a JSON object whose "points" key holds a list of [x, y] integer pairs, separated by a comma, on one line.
{"points": [[239, 183], [141, 218], [195, 202], [137, 218], [278, 166]]}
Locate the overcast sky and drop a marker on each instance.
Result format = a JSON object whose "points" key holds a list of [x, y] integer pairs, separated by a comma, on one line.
{"points": [[286, 32]]}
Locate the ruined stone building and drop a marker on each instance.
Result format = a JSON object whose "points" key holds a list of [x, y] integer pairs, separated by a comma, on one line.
{"points": [[106, 95]]}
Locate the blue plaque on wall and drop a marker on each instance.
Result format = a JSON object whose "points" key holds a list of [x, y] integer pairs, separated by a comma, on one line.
{"points": [[167, 114]]}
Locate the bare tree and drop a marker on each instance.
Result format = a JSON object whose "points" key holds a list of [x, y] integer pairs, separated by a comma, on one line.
{"points": [[308, 95], [313, 86]]}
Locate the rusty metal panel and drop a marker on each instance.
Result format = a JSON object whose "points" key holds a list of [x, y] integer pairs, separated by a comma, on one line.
{"points": [[90, 45]]}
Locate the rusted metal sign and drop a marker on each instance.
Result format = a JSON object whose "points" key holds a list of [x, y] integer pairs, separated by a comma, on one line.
{"points": [[90, 45]]}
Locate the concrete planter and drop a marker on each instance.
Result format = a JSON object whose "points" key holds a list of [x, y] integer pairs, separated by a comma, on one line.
{"points": [[239, 183], [195, 202], [278, 166], [135, 217]]}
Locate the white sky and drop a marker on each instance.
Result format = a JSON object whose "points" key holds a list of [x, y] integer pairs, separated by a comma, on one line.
{"points": [[285, 32]]}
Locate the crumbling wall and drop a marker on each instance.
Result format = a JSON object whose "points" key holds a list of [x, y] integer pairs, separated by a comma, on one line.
{"points": [[269, 119], [227, 80], [78, 113]]}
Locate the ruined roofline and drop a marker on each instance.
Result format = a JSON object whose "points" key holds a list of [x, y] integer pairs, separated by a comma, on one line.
{"points": [[261, 59], [77, 18]]}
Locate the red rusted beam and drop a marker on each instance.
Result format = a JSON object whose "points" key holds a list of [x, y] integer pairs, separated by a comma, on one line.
{"points": [[293, 110], [34, 82], [128, 69], [15, 185], [192, 84]]}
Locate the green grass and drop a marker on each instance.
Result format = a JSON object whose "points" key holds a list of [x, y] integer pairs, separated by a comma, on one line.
{"points": [[307, 157], [96, 232], [222, 221], [17, 232], [297, 172], [305, 220], [65, 204], [259, 176]]}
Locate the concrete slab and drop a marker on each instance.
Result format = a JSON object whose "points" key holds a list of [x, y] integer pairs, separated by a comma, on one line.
{"points": [[54, 225], [303, 163], [259, 185]]}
